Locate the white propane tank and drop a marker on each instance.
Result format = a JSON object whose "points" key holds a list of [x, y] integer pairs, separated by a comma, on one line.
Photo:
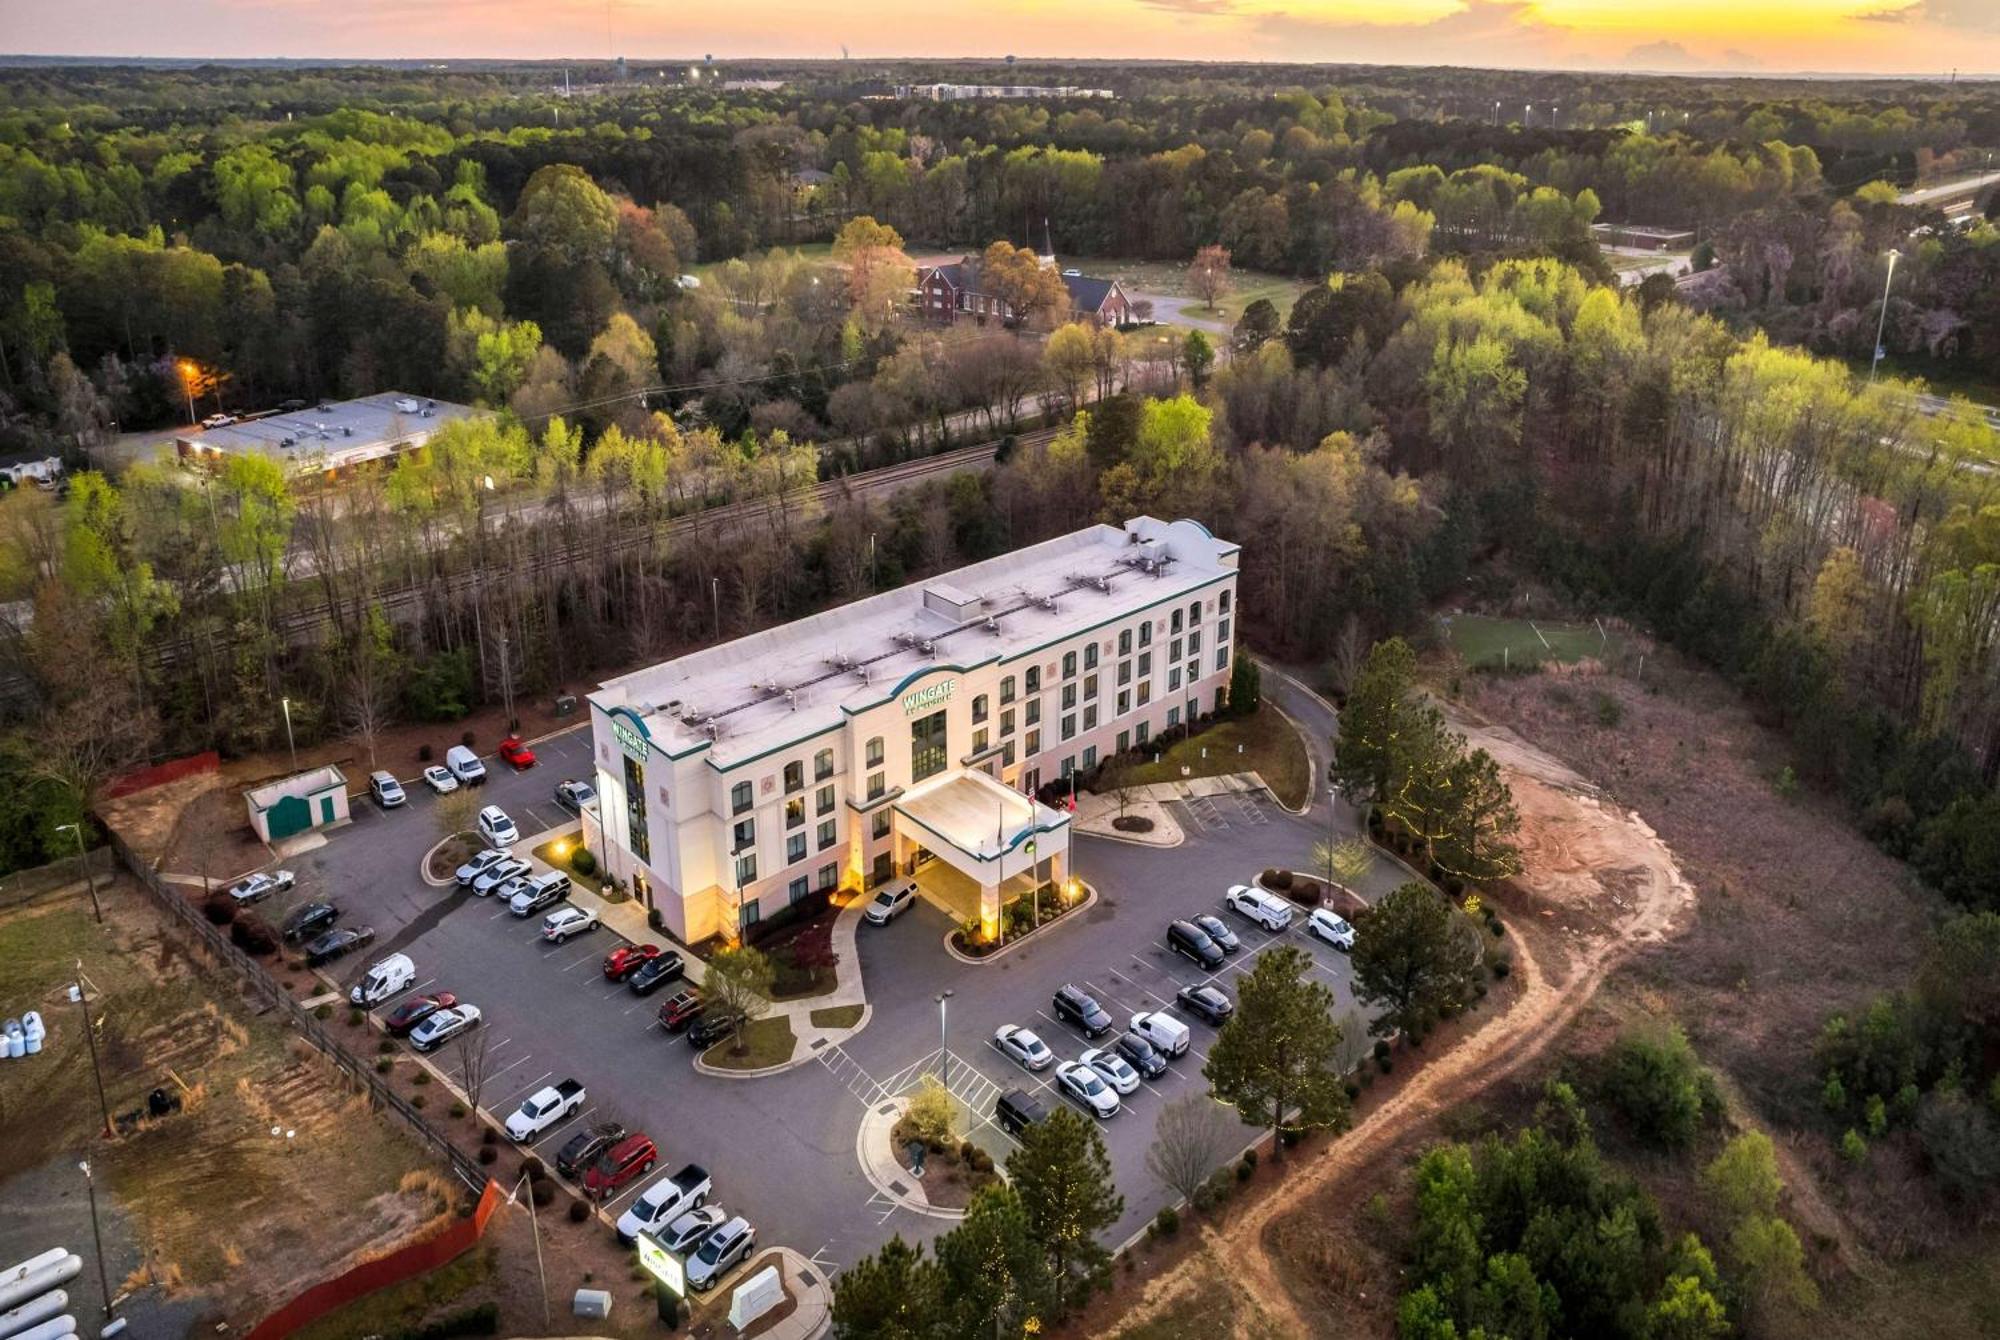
{"points": [[34, 1312], [16, 1292], [16, 1273], [10, 1038], [33, 1031], [59, 1329]]}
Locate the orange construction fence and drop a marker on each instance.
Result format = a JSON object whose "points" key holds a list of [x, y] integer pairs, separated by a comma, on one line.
{"points": [[145, 779], [404, 1263]]}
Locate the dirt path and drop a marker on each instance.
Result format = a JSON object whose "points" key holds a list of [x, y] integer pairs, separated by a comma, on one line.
{"points": [[1603, 880]]}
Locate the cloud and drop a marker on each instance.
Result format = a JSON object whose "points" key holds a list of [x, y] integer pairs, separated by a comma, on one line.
{"points": [[1662, 55], [1201, 8], [1479, 32], [1979, 16]]}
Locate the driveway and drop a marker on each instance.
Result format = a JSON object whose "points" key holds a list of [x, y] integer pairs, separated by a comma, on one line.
{"points": [[782, 1148]]}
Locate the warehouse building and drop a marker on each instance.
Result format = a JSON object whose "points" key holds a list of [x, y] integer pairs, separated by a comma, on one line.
{"points": [[331, 435], [907, 733]]}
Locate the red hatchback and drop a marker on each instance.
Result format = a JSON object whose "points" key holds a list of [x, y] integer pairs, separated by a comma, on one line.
{"points": [[625, 960], [630, 1158], [680, 1009], [410, 1013], [517, 755]]}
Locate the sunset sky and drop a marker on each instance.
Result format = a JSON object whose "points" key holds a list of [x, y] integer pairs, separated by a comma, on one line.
{"points": [[1875, 36]]}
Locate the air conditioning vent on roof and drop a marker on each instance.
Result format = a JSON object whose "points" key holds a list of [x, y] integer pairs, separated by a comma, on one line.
{"points": [[407, 406]]}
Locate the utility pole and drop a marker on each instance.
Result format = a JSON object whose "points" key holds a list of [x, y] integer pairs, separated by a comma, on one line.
{"points": [[535, 1228], [97, 1235], [715, 598], [289, 743], [90, 1036], [944, 1044], [1883, 318], [83, 859], [507, 684]]}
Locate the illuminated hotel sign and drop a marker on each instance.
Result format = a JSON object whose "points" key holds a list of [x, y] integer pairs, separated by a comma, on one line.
{"points": [[630, 736], [934, 696]]}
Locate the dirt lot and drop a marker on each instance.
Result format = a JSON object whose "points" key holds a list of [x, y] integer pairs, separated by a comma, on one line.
{"points": [[209, 1190]]}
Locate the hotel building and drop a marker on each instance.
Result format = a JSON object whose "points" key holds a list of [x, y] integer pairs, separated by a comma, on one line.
{"points": [[907, 733]]}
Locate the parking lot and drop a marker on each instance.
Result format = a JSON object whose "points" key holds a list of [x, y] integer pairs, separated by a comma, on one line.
{"points": [[781, 1149]]}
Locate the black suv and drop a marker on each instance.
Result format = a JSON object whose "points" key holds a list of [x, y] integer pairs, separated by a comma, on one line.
{"points": [[581, 1150], [1208, 1002], [1079, 1007], [708, 1029], [1192, 942], [1143, 1055], [1017, 1110], [655, 973]]}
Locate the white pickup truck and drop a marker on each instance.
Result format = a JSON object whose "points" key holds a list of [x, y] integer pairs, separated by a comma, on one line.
{"points": [[543, 1109]]}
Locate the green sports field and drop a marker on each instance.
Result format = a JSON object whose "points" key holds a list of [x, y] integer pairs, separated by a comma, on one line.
{"points": [[1482, 640]]}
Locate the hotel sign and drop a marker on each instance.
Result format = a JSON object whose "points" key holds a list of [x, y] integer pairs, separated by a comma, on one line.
{"points": [[631, 736], [924, 699], [662, 1264]]}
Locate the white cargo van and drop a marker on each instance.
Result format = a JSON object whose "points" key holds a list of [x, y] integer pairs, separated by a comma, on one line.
{"points": [[465, 765], [1165, 1032], [385, 979]]}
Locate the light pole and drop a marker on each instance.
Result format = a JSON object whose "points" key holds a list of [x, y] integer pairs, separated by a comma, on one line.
{"points": [[286, 703], [97, 1235], [1496, 111], [90, 1037], [1882, 319], [715, 599], [83, 859], [507, 684], [944, 1046], [535, 1227], [187, 371]]}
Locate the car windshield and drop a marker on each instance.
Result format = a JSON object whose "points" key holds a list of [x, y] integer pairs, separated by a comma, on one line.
{"points": [[711, 1251], [1087, 1080]]}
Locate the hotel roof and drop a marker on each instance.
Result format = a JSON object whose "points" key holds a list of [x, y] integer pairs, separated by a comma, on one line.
{"points": [[742, 699]]}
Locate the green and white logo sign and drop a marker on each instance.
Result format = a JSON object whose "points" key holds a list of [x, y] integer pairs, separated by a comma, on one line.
{"points": [[924, 699], [630, 736]]}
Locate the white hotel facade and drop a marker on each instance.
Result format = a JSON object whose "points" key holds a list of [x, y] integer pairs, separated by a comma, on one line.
{"points": [[907, 733]]}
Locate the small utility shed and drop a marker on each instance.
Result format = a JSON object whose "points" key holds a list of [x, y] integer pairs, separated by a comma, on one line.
{"points": [[291, 805]]}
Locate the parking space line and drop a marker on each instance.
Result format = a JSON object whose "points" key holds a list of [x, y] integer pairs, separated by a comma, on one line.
{"points": [[590, 957], [561, 1128], [516, 1095], [638, 1183]]}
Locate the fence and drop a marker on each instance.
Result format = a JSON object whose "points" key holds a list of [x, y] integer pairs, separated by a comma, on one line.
{"points": [[26, 886], [407, 1262], [145, 779], [360, 1073]]}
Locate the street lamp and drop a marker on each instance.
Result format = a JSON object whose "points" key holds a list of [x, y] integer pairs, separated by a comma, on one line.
{"points": [[84, 861], [97, 1234], [286, 703], [944, 1047], [1882, 319], [535, 1227], [90, 1037], [188, 371]]}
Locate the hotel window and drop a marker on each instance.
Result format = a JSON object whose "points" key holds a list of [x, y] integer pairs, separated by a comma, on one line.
{"points": [[1069, 727], [1194, 643], [746, 870], [795, 812], [795, 848], [1090, 686], [1146, 633], [1193, 672], [1222, 632], [877, 784], [1145, 692], [636, 836], [1194, 614], [1069, 765], [1145, 665], [795, 777], [927, 747], [826, 834], [1174, 650], [1007, 689], [1007, 755], [1034, 743], [1173, 679], [751, 914], [1173, 717], [1069, 665], [823, 800], [1006, 723], [829, 875], [1124, 740], [739, 798], [796, 889], [1176, 626], [1033, 679], [1090, 717], [1222, 603], [1090, 758], [1068, 696], [1124, 642], [979, 742], [1124, 672], [881, 825], [1124, 701], [1034, 711], [874, 752], [1222, 658], [1090, 656], [743, 835], [979, 709], [822, 765], [1145, 732]]}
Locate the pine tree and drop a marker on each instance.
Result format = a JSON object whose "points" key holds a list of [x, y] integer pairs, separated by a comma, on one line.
{"points": [[894, 1294], [1370, 719], [1063, 1176], [1275, 1061], [1416, 956], [993, 1274]]}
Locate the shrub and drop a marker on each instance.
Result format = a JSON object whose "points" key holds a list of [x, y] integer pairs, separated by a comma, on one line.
{"points": [[385, 1046], [965, 1152], [1501, 967], [423, 1077], [489, 1136], [1654, 1078], [488, 1154], [1277, 879], [480, 1319], [1384, 1064], [416, 1100], [219, 908], [533, 1168], [1307, 892], [382, 1066], [930, 1114], [1852, 1147], [1243, 1171], [582, 862], [1250, 1159], [1353, 1088], [1381, 1049], [1167, 1222], [253, 935], [354, 1018], [543, 1191], [423, 753], [458, 1109], [1495, 926], [578, 1212], [466, 739]]}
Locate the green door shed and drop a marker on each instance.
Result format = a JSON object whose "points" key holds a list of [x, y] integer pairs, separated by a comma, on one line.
{"points": [[291, 805]]}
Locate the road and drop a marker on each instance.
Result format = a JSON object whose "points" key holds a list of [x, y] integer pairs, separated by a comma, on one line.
{"points": [[1946, 190]]}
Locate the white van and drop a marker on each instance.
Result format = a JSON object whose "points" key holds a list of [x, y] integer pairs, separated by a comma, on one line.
{"points": [[1168, 1034], [384, 980], [465, 765]]}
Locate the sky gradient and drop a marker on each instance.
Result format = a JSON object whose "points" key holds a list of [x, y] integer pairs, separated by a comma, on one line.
{"points": [[1926, 37]]}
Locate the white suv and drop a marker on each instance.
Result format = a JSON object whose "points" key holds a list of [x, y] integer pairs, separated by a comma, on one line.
{"points": [[1266, 909], [497, 828]]}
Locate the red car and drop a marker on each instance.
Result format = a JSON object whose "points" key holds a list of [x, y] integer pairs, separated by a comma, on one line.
{"points": [[680, 1009], [631, 1157], [622, 962], [517, 755], [410, 1013]]}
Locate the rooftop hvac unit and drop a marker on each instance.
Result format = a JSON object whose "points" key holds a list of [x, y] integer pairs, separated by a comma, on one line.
{"points": [[407, 406], [992, 625], [791, 700]]}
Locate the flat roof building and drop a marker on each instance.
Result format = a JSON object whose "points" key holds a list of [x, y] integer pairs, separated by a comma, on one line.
{"points": [[909, 732], [332, 434]]}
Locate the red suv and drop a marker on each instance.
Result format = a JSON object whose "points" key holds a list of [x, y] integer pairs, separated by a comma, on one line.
{"points": [[680, 1009], [625, 960], [518, 755], [631, 1157]]}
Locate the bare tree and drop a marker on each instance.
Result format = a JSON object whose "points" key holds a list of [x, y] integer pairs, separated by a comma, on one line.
{"points": [[471, 1049], [1195, 1134], [1209, 274], [1349, 651], [454, 810], [1116, 778]]}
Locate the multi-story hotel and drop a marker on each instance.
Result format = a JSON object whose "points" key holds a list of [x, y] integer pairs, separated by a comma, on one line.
{"points": [[907, 733]]}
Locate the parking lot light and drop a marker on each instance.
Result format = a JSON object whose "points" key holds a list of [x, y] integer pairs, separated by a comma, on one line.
{"points": [[561, 848]]}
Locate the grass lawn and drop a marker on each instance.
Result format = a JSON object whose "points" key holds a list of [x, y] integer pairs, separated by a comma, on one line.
{"points": [[1264, 742], [1486, 641], [837, 1016], [768, 1041], [1170, 278], [810, 251], [1945, 379], [568, 842]]}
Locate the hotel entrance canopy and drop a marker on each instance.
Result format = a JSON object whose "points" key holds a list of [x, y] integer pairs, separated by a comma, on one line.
{"points": [[986, 831]]}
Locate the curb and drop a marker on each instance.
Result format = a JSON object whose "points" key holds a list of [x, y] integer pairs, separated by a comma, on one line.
{"points": [[902, 1201], [424, 865], [1090, 896], [804, 1052]]}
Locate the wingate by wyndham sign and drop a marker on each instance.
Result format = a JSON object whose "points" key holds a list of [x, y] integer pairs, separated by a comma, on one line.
{"points": [[924, 699]]}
